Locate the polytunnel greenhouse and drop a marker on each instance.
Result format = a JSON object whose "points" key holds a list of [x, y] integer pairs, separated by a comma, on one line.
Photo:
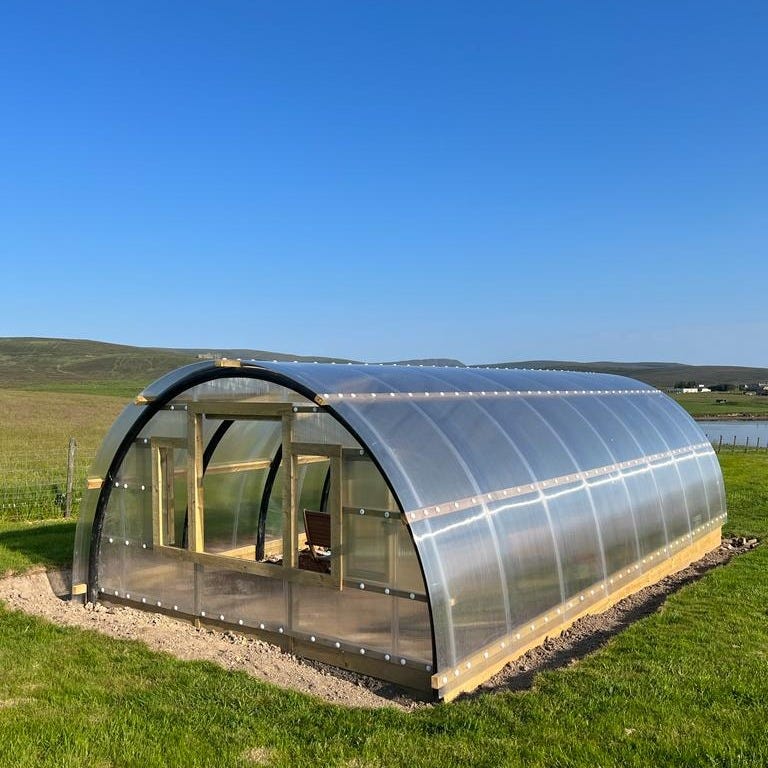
{"points": [[421, 525]]}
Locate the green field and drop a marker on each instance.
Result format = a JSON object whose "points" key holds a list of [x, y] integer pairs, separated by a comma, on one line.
{"points": [[35, 428], [705, 404], [687, 686]]}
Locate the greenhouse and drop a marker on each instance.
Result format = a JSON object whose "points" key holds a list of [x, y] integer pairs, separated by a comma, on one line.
{"points": [[422, 525]]}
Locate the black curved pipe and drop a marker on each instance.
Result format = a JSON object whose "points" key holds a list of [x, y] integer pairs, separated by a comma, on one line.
{"points": [[265, 497]]}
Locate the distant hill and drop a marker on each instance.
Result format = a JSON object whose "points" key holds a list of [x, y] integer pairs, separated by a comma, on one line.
{"points": [[70, 363], [660, 375], [96, 366]]}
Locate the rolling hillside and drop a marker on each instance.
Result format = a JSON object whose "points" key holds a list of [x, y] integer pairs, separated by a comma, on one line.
{"points": [[75, 365]]}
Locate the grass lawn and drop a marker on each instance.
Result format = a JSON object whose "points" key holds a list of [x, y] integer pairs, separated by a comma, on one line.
{"points": [[25, 545], [687, 686], [704, 404]]}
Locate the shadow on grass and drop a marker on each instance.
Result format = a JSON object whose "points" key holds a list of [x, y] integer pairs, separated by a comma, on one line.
{"points": [[42, 543]]}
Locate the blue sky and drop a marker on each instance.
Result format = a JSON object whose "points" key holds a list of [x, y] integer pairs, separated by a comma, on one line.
{"points": [[389, 180]]}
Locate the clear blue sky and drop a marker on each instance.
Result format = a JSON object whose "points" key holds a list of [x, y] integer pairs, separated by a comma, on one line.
{"points": [[388, 180]]}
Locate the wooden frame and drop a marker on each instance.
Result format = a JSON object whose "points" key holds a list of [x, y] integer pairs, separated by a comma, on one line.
{"points": [[295, 454], [163, 502], [333, 453]]}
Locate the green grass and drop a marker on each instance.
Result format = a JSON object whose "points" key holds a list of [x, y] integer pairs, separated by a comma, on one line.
{"points": [[125, 390], [25, 545], [704, 404], [687, 686]]}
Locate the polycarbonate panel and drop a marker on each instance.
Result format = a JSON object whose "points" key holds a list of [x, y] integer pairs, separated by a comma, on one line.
{"points": [[410, 445], [412, 630], [577, 538], [675, 504], [321, 428], [253, 599], [369, 545], [532, 565], [99, 469], [233, 489], [239, 388], [364, 486], [467, 582], [407, 571], [146, 576], [616, 510], [353, 615], [647, 505]]}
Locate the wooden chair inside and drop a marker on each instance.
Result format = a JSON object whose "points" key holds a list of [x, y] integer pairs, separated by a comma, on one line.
{"points": [[317, 526]]}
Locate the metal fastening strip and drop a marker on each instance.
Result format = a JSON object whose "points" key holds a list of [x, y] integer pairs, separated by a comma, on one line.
{"points": [[437, 510], [388, 397]]}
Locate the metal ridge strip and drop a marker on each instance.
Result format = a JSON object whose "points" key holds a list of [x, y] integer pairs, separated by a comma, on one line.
{"points": [[438, 510], [388, 397]]}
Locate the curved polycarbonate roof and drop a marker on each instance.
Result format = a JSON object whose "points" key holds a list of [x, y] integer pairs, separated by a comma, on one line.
{"points": [[524, 490]]}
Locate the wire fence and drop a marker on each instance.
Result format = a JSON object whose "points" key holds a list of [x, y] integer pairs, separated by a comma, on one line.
{"points": [[732, 446], [37, 484]]}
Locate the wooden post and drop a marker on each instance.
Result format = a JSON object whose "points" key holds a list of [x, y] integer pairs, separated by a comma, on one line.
{"points": [[195, 500], [71, 453], [757, 447], [720, 444], [746, 445], [733, 447], [290, 500], [335, 504]]}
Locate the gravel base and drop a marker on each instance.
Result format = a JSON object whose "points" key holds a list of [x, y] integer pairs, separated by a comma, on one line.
{"points": [[43, 594]]}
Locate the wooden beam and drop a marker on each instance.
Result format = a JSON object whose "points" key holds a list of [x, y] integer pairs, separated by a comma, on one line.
{"points": [[324, 450], [290, 496], [195, 495], [238, 565], [275, 546], [158, 497], [237, 466], [337, 515], [393, 514], [222, 409]]}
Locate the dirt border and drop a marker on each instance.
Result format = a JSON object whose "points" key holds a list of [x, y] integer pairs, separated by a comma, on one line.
{"points": [[43, 594]]}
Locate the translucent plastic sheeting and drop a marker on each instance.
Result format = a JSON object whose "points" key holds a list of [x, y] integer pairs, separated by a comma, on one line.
{"points": [[130, 571], [234, 483], [368, 619], [460, 437]]}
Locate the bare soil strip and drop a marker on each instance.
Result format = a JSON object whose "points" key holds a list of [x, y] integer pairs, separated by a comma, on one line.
{"points": [[41, 594]]}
